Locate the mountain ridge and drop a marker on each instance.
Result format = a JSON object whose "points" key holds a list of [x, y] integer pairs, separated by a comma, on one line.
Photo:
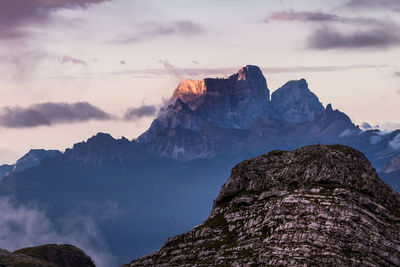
{"points": [[30, 159]]}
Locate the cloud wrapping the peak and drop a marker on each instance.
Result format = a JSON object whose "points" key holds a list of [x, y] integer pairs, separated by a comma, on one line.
{"points": [[49, 114], [140, 112]]}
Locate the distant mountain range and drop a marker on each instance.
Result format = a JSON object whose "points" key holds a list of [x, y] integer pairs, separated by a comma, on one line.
{"points": [[30, 159], [164, 182]]}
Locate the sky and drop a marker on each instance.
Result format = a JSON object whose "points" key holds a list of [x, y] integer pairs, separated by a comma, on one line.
{"points": [[72, 68]]}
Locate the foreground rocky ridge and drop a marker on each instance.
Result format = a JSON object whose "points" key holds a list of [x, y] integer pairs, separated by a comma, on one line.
{"points": [[50, 255], [315, 205]]}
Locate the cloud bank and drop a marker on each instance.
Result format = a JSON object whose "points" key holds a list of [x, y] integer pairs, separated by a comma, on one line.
{"points": [[372, 4], [331, 31], [49, 114], [140, 112], [180, 73], [26, 225], [16, 15], [374, 37], [395, 142]]}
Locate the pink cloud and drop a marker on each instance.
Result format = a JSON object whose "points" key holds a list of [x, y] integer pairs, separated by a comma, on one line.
{"points": [[68, 59]]}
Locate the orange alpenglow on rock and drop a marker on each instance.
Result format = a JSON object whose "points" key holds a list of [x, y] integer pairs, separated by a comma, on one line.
{"points": [[188, 90]]}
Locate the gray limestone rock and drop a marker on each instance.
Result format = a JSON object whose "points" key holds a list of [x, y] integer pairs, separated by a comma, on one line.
{"points": [[318, 205], [294, 102], [235, 102]]}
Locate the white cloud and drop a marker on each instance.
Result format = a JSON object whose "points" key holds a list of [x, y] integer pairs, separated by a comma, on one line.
{"points": [[375, 139], [26, 225], [395, 142], [347, 132]]}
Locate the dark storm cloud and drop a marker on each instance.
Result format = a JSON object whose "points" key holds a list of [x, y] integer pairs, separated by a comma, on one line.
{"points": [[15, 14], [152, 29], [140, 112], [49, 114]]}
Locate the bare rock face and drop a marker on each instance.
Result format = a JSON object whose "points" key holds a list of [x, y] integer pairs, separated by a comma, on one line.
{"points": [[294, 115], [294, 102], [191, 92], [318, 205], [234, 102]]}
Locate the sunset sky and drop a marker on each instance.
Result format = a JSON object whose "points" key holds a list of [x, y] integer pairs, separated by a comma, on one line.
{"points": [[72, 68]]}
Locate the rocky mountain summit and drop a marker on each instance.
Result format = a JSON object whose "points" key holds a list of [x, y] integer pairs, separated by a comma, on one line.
{"points": [[202, 118], [294, 102], [234, 102], [50, 255], [317, 205]]}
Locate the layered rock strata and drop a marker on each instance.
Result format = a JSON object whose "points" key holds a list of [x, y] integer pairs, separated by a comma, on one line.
{"points": [[318, 205]]}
